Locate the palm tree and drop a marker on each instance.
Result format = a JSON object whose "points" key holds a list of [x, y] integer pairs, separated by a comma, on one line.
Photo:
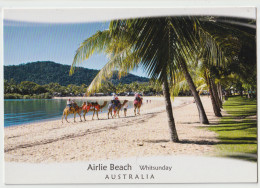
{"points": [[152, 43], [202, 114], [221, 41], [161, 46], [127, 42], [212, 93]]}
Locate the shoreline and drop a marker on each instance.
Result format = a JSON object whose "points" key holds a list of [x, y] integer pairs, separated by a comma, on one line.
{"points": [[143, 135], [88, 114], [50, 120], [130, 98]]}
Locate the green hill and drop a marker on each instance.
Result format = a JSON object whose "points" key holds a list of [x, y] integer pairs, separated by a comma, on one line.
{"points": [[44, 72]]}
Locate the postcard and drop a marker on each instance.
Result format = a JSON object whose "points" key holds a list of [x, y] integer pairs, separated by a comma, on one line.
{"points": [[125, 95]]}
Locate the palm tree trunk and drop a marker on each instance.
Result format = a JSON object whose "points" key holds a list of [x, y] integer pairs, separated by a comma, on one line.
{"points": [[215, 92], [220, 92], [202, 114], [219, 95], [241, 93], [171, 123], [213, 101]]}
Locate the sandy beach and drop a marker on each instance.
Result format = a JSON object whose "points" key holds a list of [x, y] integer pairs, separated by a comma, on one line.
{"points": [[132, 136]]}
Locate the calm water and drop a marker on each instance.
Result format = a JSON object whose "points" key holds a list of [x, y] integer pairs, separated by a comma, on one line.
{"points": [[19, 111]]}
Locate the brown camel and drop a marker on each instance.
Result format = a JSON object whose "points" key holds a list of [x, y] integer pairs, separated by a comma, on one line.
{"points": [[73, 110], [95, 107], [116, 110], [137, 105]]}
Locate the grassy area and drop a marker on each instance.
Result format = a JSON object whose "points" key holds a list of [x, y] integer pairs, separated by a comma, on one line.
{"points": [[238, 131]]}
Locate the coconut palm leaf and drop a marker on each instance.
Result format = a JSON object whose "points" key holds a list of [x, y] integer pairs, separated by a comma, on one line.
{"points": [[123, 62], [96, 43]]}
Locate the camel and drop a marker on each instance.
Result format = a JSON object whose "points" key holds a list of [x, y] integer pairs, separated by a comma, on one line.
{"points": [[137, 105], [95, 107], [73, 110], [116, 110]]}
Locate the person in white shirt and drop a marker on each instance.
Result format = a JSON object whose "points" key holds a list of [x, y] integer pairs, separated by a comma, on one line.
{"points": [[115, 101], [125, 108], [69, 104], [114, 96]]}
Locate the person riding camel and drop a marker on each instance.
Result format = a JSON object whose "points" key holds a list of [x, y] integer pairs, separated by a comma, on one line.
{"points": [[115, 101], [73, 104], [84, 106], [137, 97], [69, 104], [114, 98]]}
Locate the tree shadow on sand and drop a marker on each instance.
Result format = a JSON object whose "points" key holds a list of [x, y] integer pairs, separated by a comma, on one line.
{"points": [[226, 141], [157, 141], [237, 130], [243, 140]]}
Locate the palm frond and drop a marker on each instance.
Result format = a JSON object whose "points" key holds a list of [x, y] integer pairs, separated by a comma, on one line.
{"points": [[218, 47], [123, 62], [96, 43]]}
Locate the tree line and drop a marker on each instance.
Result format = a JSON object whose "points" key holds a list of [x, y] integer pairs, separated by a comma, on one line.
{"points": [[31, 90]]}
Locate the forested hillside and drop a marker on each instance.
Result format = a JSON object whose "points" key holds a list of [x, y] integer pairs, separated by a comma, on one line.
{"points": [[45, 72]]}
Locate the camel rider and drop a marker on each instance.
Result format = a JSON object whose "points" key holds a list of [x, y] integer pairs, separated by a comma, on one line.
{"points": [[73, 104], [69, 104], [137, 97], [113, 96], [115, 101]]}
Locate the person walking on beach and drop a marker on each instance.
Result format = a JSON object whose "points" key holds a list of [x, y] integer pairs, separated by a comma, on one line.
{"points": [[125, 108]]}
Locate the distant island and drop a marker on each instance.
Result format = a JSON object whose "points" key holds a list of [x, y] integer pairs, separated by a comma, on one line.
{"points": [[47, 79], [45, 72]]}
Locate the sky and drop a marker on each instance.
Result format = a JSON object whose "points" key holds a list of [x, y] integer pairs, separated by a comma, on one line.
{"points": [[55, 34], [31, 41]]}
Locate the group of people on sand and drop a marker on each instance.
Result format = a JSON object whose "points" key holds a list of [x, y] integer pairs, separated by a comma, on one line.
{"points": [[115, 102]]}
